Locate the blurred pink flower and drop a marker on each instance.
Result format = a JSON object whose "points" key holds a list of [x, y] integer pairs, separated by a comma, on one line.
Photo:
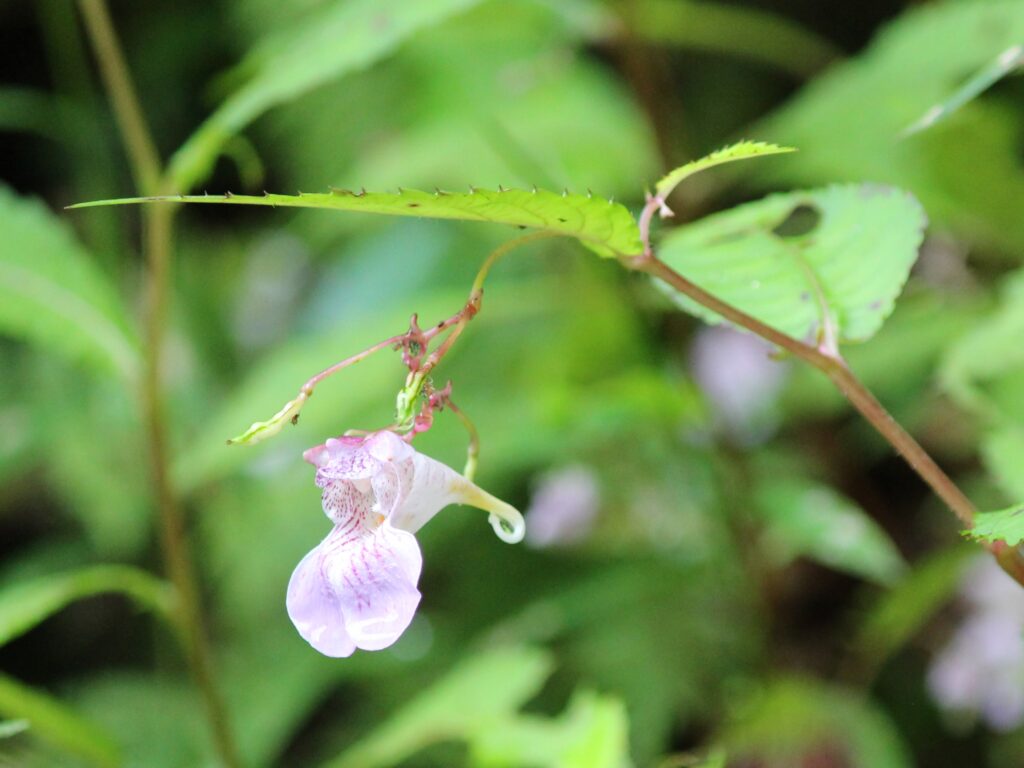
{"points": [[357, 588], [564, 507], [981, 668], [741, 381]]}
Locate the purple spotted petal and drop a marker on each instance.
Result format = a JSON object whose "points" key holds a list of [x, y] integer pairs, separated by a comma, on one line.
{"points": [[342, 458], [356, 589], [378, 594], [349, 504]]}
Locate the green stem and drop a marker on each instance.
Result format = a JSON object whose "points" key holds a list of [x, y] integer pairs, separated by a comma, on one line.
{"points": [[833, 366], [502, 250], [158, 237], [457, 322], [138, 141], [473, 448]]}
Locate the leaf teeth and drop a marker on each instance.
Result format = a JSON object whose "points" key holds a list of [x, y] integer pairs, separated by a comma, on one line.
{"points": [[600, 224], [741, 150]]}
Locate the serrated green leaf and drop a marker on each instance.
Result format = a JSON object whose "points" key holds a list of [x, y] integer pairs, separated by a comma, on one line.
{"points": [[480, 690], [23, 606], [1008, 61], [1002, 525], [339, 38], [841, 277], [899, 363], [51, 293], [743, 150], [604, 226], [56, 723], [734, 30], [806, 519]]}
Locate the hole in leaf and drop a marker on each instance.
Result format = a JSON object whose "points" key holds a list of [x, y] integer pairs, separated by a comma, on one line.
{"points": [[801, 221]]}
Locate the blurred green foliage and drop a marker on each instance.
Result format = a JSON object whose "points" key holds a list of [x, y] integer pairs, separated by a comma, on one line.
{"points": [[752, 600]]}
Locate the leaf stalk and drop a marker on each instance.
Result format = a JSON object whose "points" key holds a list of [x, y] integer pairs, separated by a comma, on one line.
{"points": [[834, 366]]}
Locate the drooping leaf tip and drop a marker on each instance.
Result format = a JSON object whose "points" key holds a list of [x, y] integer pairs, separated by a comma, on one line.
{"points": [[741, 150]]}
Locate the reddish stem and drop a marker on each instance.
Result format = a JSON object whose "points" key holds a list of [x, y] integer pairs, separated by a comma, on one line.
{"points": [[833, 366]]}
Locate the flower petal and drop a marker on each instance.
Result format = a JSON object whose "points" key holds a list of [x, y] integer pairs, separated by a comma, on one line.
{"points": [[433, 486], [357, 589], [388, 447], [314, 608], [349, 504], [376, 587], [343, 458]]}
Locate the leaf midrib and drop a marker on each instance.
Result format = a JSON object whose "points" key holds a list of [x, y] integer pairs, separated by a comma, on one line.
{"points": [[807, 271]]}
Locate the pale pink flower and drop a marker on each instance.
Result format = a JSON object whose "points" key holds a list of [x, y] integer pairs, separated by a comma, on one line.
{"points": [[736, 373], [357, 588], [564, 507], [981, 668]]}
